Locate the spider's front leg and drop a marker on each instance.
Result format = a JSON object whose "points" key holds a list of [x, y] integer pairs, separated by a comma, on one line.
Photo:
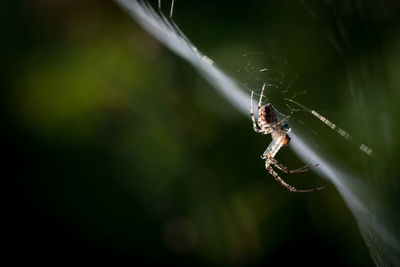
{"points": [[252, 114]]}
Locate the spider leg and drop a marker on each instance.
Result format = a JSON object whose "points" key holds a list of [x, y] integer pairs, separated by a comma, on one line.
{"points": [[289, 187], [260, 101], [278, 122], [285, 169], [283, 120], [252, 114], [311, 190], [279, 179]]}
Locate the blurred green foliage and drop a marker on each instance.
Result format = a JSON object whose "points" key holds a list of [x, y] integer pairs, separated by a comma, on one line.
{"points": [[126, 154]]}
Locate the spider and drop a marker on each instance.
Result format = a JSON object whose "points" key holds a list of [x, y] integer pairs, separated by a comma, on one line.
{"points": [[269, 124]]}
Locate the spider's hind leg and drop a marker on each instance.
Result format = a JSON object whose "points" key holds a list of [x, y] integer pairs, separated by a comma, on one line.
{"points": [[280, 180], [289, 187], [285, 169]]}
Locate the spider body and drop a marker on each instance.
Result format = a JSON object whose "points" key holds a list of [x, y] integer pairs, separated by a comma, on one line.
{"points": [[268, 123]]}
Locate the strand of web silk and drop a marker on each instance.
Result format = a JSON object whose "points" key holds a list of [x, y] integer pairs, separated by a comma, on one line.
{"points": [[364, 148]]}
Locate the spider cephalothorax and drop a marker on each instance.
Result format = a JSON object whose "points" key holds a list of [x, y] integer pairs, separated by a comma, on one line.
{"points": [[268, 123]]}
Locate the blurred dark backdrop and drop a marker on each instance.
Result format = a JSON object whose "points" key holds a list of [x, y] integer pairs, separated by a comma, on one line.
{"points": [[119, 152]]}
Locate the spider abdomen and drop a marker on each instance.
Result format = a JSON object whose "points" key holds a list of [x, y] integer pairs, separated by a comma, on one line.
{"points": [[267, 115]]}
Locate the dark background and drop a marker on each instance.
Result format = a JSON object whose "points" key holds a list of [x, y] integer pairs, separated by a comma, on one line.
{"points": [[119, 152]]}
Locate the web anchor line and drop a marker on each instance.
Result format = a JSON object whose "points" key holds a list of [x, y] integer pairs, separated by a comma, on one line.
{"points": [[364, 148], [171, 11]]}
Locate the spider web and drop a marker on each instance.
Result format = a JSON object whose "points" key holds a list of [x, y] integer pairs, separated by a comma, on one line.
{"points": [[370, 208], [267, 69]]}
